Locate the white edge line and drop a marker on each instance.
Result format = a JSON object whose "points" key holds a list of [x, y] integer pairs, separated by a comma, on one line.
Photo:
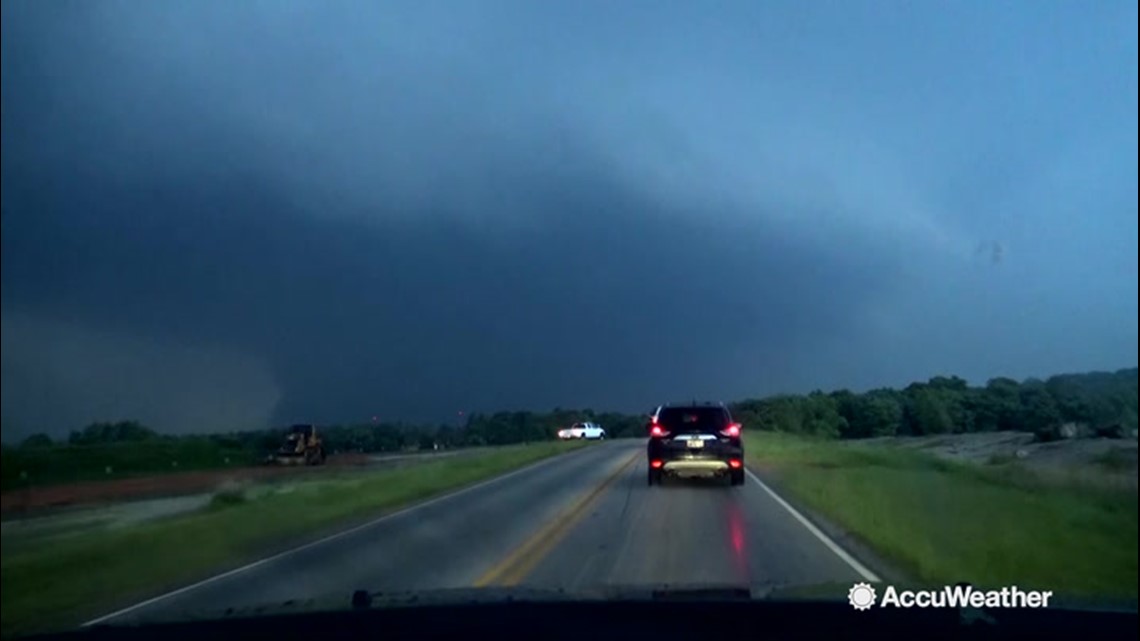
{"points": [[826, 540], [331, 537]]}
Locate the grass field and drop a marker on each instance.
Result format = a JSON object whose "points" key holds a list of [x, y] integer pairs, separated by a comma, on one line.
{"points": [[943, 522], [73, 463], [60, 581]]}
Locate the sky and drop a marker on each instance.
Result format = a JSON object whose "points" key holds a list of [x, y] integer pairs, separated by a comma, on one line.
{"points": [[225, 215]]}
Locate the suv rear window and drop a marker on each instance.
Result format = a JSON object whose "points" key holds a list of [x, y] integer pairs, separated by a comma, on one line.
{"points": [[693, 419]]}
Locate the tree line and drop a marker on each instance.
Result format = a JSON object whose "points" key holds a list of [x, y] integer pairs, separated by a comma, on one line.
{"points": [[1096, 403], [1103, 403]]}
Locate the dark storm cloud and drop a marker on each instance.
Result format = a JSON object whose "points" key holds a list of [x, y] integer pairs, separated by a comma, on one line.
{"points": [[607, 302], [331, 211]]}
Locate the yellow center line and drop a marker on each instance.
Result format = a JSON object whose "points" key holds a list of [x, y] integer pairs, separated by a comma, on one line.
{"points": [[522, 561]]}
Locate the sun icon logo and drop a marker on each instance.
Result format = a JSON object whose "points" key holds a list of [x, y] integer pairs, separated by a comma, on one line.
{"points": [[861, 596]]}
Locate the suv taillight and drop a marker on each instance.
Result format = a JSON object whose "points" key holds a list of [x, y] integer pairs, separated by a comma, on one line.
{"points": [[657, 431], [732, 431]]}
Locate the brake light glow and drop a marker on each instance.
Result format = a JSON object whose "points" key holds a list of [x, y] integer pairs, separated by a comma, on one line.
{"points": [[656, 464], [735, 464], [657, 430], [732, 430]]}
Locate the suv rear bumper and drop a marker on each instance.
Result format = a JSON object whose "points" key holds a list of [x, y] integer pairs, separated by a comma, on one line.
{"points": [[698, 467], [713, 461]]}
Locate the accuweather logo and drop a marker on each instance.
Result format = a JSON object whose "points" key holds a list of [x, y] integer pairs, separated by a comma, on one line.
{"points": [[862, 596]]}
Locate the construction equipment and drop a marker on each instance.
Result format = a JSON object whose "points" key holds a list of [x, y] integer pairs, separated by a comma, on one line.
{"points": [[302, 446]]}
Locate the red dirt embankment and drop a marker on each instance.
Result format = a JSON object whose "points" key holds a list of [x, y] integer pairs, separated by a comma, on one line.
{"points": [[92, 492]]}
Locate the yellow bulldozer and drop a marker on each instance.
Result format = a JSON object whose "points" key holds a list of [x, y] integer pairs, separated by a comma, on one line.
{"points": [[302, 446]]}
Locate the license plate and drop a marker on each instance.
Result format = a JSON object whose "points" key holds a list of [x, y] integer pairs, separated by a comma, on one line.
{"points": [[696, 444]]}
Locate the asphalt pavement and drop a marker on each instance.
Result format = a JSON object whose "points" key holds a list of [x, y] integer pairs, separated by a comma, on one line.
{"points": [[580, 522]]}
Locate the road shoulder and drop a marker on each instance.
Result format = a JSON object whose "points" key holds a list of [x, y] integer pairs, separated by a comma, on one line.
{"points": [[852, 544]]}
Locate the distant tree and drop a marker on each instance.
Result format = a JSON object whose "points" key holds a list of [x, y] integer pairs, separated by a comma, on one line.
{"points": [[997, 406], [617, 425], [1096, 398], [938, 406], [37, 440], [823, 418], [117, 432], [228, 441], [876, 413], [929, 413], [949, 383], [1039, 411], [447, 436], [785, 413]]}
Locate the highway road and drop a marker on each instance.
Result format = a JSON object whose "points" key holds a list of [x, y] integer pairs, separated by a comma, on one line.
{"points": [[582, 521]]}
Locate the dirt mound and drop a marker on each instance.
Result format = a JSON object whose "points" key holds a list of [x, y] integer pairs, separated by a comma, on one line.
{"points": [[1111, 462], [162, 485]]}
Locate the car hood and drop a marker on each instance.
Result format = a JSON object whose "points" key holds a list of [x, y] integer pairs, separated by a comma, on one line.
{"points": [[462, 596], [831, 592]]}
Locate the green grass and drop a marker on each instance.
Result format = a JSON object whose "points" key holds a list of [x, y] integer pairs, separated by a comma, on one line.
{"points": [[943, 522], [71, 463], [1000, 459], [1116, 460], [66, 579]]}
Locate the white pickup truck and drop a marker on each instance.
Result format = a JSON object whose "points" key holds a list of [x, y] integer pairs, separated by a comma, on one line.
{"points": [[591, 431]]}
